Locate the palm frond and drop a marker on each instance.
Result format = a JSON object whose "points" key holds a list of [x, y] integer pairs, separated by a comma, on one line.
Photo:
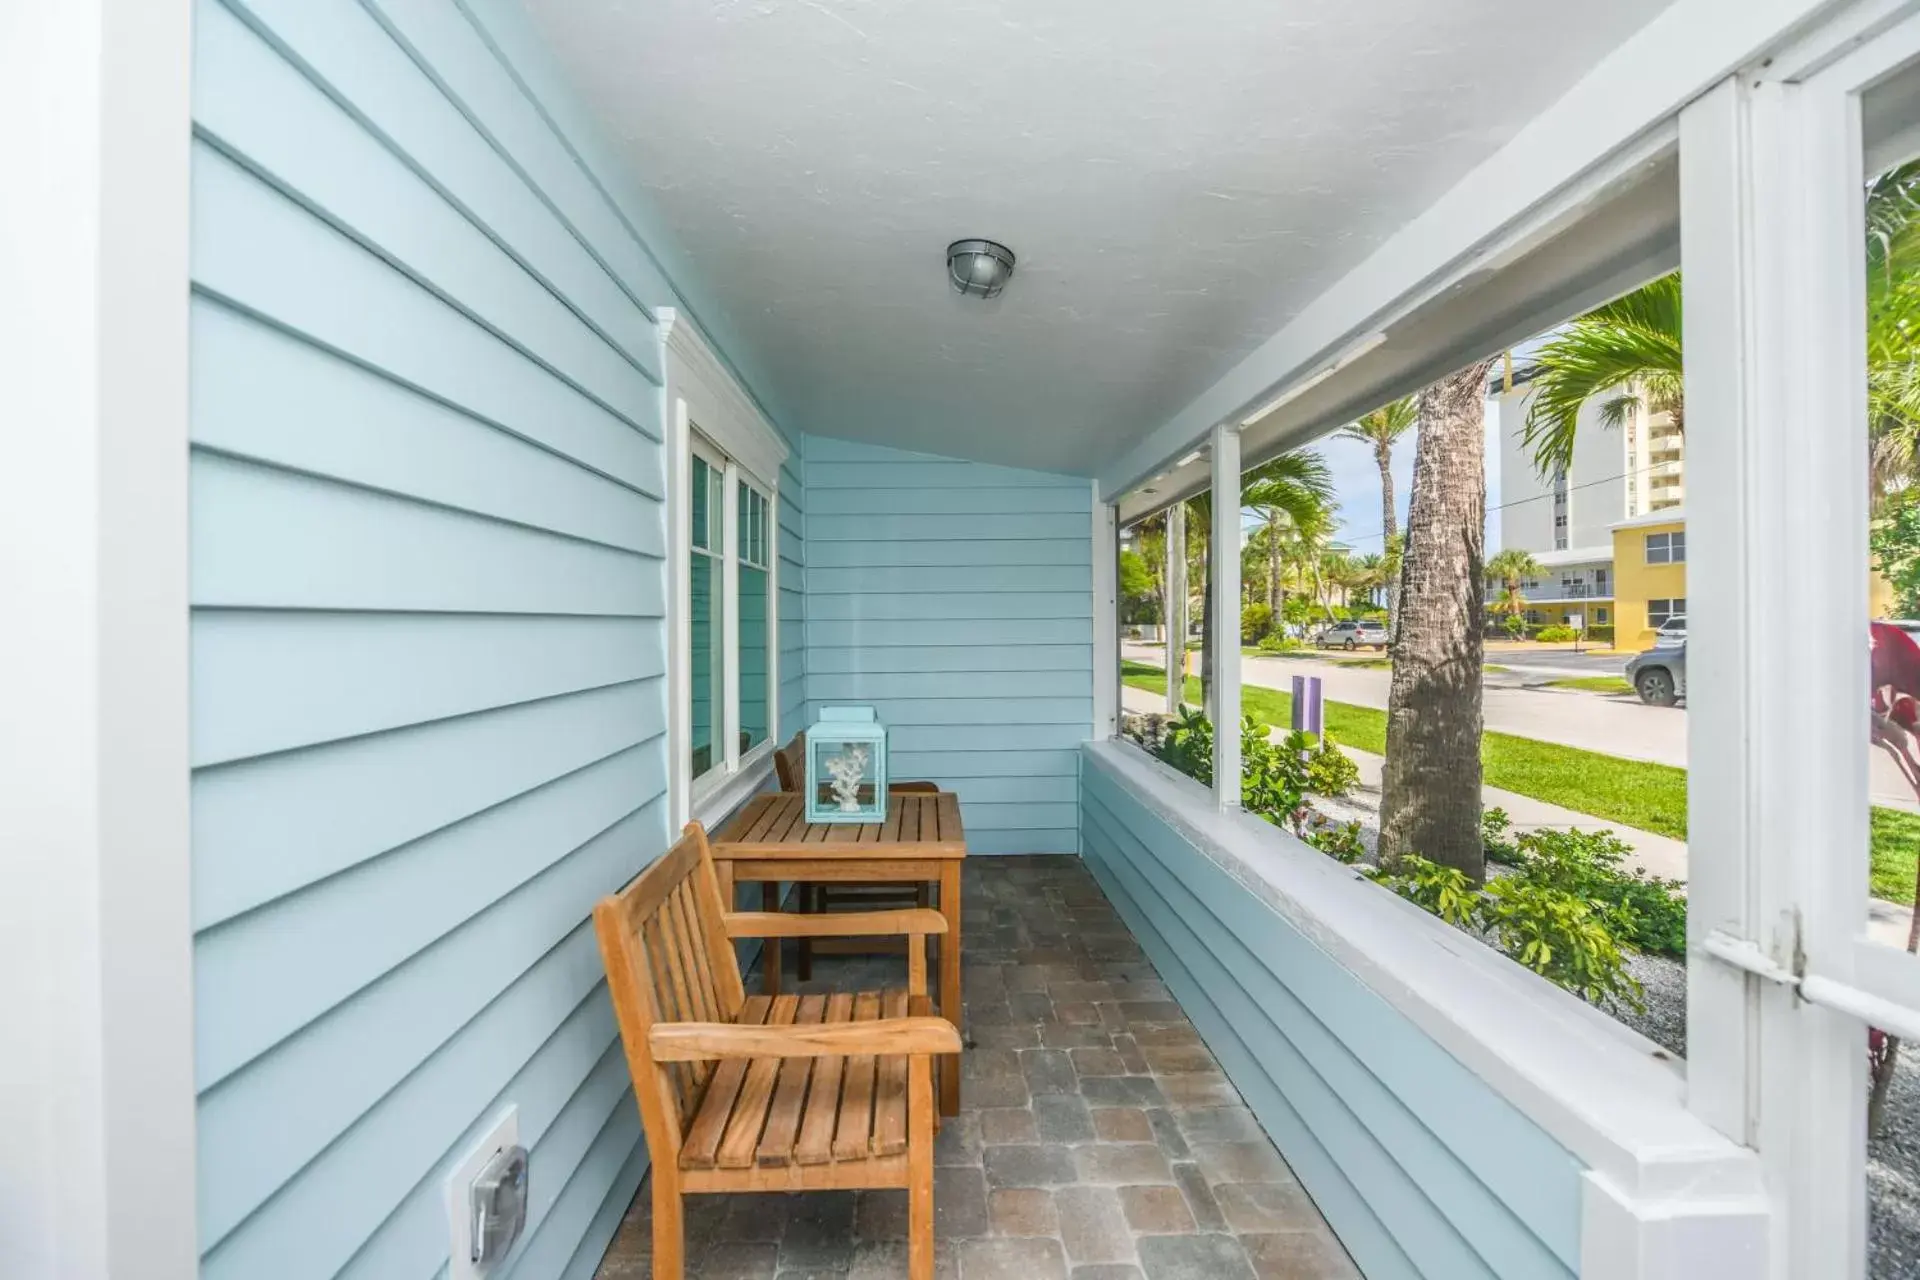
{"points": [[1633, 339], [1384, 425]]}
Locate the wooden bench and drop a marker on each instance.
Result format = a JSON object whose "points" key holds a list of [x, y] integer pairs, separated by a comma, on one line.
{"points": [[790, 774], [783, 1093]]}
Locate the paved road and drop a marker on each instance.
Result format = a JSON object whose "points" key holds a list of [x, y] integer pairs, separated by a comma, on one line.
{"points": [[1561, 662], [1615, 725]]}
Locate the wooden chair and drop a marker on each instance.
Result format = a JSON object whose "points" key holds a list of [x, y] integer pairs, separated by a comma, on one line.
{"points": [[790, 772], [788, 1093]]}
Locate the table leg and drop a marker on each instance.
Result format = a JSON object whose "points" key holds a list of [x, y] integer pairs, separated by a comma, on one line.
{"points": [[770, 948], [950, 1000]]}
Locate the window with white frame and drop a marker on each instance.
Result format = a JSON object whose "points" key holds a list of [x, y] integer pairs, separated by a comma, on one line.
{"points": [[1666, 548], [725, 463], [1661, 612]]}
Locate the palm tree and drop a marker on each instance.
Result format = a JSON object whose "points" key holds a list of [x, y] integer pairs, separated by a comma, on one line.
{"points": [[1430, 790], [1629, 349], [1378, 431], [1369, 574], [1510, 568], [1295, 485]]}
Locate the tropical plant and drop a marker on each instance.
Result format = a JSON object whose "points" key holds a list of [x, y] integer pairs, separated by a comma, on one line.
{"points": [[1295, 486], [1629, 350], [1442, 891], [1256, 620], [1293, 495], [1511, 568], [1895, 539], [1330, 771], [1556, 634], [1379, 431], [1430, 789], [1340, 841], [1559, 936]]}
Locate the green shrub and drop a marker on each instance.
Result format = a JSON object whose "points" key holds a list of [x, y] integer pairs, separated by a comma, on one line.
{"points": [[1188, 745], [1339, 841], [1274, 642], [1329, 770], [1559, 936], [1442, 891], [1602, 632], [1642, 911], [1256, 620], [1515, 625], [1555, 634], [1495, 826]]}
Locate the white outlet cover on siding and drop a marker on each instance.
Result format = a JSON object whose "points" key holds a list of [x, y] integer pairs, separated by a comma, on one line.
{"points": [[505, 1133], [1177, 180]]}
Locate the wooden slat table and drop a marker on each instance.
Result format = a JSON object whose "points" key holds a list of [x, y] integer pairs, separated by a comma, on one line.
{"points": [[770, 840]]}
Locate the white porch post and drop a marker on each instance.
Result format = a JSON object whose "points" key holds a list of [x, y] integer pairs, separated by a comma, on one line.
{"points": [[1106, 618], [1778, 676], [1176, 605], [96, 954], [1224, 555]]}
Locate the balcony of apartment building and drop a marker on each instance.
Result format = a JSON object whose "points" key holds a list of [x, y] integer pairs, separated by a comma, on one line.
{"points": [[495, 429]]}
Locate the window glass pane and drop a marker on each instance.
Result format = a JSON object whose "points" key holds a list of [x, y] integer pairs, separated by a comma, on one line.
{"points": [[745, 520], [700, 484], [708, 661], [756, 676]]}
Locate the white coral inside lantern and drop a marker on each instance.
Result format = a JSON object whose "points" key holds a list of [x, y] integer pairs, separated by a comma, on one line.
{"points": [[847, 768]]}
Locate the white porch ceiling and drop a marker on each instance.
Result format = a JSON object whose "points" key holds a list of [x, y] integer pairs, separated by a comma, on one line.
{"points": [[1177, 180]]}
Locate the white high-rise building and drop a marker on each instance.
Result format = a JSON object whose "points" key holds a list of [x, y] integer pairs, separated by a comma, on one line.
{"points": [[1566, 519]]}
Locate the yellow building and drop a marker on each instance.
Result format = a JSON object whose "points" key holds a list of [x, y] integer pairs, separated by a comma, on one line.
{"points": [[1650, 578]]}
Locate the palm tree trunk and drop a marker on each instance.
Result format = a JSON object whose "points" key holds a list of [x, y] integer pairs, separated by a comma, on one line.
{"points": [[1383, 454], [1273, 563], [1430, 791]]}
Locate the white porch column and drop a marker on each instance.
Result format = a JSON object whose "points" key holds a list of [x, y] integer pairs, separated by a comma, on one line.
{"points": [[1777, 708], [1176, 605], [96, 962], [1224, 555]]}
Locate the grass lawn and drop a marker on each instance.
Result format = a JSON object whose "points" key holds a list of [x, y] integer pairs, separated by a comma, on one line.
{"points": [[1593, 684], [1647, 797]]}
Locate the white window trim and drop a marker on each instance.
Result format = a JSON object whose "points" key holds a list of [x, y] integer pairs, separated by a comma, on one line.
{"points": [[703, 397]]}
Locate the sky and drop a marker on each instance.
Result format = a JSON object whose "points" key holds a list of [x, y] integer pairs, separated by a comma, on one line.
{"points": [[1356, 487]]}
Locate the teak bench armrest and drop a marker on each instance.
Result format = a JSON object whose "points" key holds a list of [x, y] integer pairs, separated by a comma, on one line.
{"points": [[907, 921], [700, 1041]]}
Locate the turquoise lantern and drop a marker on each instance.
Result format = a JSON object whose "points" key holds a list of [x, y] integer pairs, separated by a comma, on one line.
{"points": [[847, 766]]}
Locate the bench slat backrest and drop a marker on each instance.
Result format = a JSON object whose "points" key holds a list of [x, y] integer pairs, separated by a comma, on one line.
{"points": [[668, 959]]}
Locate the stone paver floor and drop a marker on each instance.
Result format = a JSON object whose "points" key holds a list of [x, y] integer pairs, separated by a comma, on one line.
{"points": [[1097, 1139]]}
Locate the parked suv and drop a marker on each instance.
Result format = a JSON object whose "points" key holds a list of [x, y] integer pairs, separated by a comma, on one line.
{"points": [[1351, 635], [1659, 675]]}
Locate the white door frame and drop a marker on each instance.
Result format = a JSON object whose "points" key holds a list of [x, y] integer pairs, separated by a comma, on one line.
{"points": [[96, 963], [1780, 975]]}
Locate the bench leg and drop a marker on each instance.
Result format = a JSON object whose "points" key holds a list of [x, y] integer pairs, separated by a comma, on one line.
{"points": [[770, 949], [919, 1169], [669, 1229], [803, 963]]}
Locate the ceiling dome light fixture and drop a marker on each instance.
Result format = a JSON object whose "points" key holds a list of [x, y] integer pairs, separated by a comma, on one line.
{"points": [[979, 267]]}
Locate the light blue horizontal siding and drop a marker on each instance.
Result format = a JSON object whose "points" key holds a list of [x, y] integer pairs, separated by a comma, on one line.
{"points": [[429, 635], [956, 599], [1420, 1167]]}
